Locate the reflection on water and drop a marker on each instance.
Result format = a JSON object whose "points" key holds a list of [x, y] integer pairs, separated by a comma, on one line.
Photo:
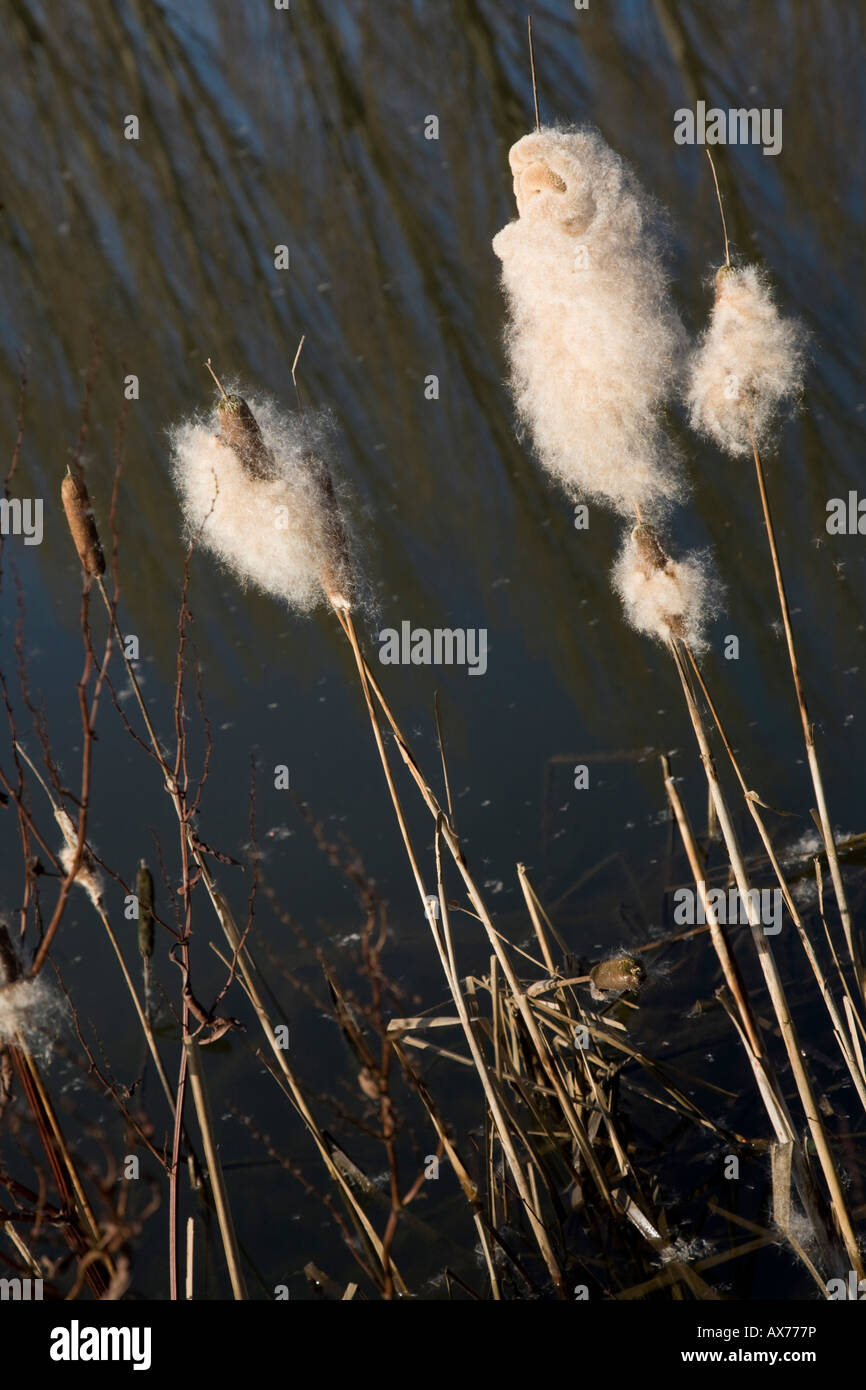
{"points": [[260, 128]]}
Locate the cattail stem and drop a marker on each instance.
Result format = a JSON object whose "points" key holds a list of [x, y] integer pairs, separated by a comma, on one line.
{"points": [[519, 996], [245, 965], [295, 371], [774, 986], [220, 386], [103, 917], [190, 1255], [60, 1162], [491, 1092], [768, 1085], [845, 1038], [721, 207], [448, 965], [851, 936], [215, 1171], [247, 971], [532, 70]]}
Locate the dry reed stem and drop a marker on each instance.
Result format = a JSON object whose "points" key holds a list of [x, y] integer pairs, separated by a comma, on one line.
{"points": [[468, 1187], [51, 1115], [846, 1043], [747, 1029], [445, 831], [215, 1172], [494, 1100], [30, 1261], [774, 986], [475, 898], [491, 1090], [851, 937], [62, 1168], [189, 1283], [103, 917], [244, 959], [856, 1027], [246, 968]]}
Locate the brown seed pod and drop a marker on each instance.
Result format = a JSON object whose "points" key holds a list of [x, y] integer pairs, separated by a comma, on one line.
{"points": [[652, 554], [654, 557], [719, 278], [616, 975], [144, 893], [239, 429], [79, 517], [337, 578]]}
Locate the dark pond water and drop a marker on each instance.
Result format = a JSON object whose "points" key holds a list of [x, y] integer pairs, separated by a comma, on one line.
{"points": [[306, 128]]}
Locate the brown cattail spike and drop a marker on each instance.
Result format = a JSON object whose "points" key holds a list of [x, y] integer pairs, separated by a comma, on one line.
{"points": [[239, 429], [653, 557], [79, 516], [144, 893], [337, 578], [721, 275], [649, 548]]}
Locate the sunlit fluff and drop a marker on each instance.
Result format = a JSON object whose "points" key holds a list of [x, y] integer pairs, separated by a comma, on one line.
{"points": [[662, 597], [87, 875], [593, 340], [279, 533], [30, 1013], [749, 363]]}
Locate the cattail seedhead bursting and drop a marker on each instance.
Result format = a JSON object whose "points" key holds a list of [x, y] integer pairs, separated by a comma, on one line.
{"points": [[750, 362], [87, 875], [30, 1010], [239, 429], [593, 339], [663, 598], [257, 491]]}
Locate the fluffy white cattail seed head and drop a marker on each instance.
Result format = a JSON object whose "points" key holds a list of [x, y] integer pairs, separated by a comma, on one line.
{"points": [[662, 597], [593, 340], [749, 363], [30, 1010], [277, 524], [88, 875]]}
